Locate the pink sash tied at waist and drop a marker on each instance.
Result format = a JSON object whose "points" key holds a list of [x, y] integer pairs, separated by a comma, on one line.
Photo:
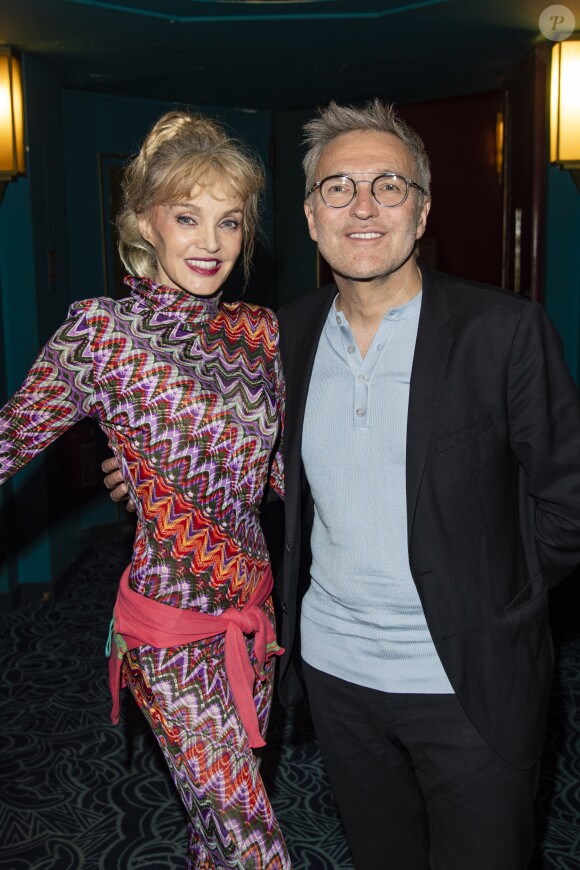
{"points": [[139, 621]]}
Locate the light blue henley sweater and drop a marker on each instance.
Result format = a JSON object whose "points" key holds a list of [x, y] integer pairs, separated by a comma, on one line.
{"points": [[362, 619]]}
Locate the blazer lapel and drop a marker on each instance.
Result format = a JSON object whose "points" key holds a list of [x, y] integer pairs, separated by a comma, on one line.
{"points": [[434, 341]]}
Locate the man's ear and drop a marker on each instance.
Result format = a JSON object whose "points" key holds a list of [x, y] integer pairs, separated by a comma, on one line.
{"points": [[422, 222], [310, 220]]}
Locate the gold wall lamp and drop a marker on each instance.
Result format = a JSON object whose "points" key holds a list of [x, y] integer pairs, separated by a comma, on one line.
{"points": [[12, 148], [565, 107]]}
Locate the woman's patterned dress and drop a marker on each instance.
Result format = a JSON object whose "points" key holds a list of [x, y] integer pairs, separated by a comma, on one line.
{"points": [[190, 394]]}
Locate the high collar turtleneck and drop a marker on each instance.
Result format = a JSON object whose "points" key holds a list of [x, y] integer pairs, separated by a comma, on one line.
{"points": [[177, 304]]}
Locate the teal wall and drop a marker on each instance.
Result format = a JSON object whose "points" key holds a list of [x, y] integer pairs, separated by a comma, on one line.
{"points": [[32, 223], [562, 265], [51, 253]]}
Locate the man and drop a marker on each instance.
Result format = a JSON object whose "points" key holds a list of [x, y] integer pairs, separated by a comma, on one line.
{"points": [[432, 461]]}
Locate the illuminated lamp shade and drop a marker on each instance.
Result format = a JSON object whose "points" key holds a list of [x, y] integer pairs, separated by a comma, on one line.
{"points": [[12, 159], [565, 105]]}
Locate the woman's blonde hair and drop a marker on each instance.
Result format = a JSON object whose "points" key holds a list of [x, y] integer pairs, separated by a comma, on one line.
{"points": [[182, 150]]}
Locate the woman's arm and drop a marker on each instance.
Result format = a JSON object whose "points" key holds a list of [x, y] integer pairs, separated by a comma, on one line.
{"points": [[57, 392], [277, 466]]}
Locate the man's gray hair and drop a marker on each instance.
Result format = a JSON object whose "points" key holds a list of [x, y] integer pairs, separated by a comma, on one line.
{"points": [[334, 120]]}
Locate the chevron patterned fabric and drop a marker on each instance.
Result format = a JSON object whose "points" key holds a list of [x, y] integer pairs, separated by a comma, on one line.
{"points": [[189, 392]]}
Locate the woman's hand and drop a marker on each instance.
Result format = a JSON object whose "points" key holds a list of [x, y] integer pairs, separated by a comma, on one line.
{"points": [[115, 483]]}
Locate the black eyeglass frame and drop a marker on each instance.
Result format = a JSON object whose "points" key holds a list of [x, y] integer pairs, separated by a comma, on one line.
{"points": [[408, 182]]}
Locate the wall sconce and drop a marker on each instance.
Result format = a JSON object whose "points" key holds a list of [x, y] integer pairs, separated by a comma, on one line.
{"points": [[12, 150], [565, 106], [499, 141]]}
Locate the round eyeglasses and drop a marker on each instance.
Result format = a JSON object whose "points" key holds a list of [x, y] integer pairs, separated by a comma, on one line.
{"points": [[388, 189]]}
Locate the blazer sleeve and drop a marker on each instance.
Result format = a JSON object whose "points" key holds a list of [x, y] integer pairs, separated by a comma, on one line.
{"points": [[544, 425]]}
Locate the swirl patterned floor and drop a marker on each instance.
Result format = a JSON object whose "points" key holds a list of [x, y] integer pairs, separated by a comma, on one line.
{"points": [[78, 793]]}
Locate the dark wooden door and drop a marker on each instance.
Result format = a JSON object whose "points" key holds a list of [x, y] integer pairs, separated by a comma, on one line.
{"points": [[525, 173]]}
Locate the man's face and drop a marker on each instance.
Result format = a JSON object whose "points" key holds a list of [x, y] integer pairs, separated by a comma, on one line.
{"points": [[364, 241]]}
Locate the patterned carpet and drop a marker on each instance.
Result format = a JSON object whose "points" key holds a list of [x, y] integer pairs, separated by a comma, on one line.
{"points": [[78, 793]]}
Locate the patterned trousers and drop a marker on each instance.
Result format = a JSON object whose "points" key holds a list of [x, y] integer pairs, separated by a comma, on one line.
{"points": [[185, 695]]}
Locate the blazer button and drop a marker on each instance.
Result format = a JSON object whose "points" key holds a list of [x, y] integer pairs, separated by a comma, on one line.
{"points": [[287, 548], [285, 608]]}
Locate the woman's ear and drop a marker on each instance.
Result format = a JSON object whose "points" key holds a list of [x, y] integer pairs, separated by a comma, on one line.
{"points": [[144, 224]]}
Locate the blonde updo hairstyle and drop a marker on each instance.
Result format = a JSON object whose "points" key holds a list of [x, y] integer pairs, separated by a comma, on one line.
{"points": [[182, 150]]}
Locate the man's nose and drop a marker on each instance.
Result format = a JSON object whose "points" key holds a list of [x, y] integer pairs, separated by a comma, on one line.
{"points": [[364, 204]]}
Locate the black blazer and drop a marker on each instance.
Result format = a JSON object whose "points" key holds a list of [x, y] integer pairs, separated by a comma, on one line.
{"points": [[493, 495]]}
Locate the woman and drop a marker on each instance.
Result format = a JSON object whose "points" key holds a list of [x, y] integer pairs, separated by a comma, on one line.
{"points": [[189, 392]]}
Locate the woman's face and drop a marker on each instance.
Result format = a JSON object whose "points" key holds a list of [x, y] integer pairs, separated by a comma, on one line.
{"points": [[197, 241]]}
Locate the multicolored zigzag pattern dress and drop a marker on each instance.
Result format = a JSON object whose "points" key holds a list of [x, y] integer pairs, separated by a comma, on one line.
{"points": [[190, 394]]}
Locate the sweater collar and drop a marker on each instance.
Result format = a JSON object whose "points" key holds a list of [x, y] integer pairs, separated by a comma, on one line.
{"points": [[178, 304]]}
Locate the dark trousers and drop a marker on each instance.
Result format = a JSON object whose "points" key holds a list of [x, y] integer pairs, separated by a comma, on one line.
{"points": [[416, 785]]}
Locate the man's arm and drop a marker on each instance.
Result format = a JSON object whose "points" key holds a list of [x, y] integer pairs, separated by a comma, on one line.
{"points": [[544, 420], [115, 483]]}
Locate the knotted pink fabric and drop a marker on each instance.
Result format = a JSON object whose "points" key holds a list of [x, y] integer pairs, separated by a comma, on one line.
{"points": [[143, 621]]}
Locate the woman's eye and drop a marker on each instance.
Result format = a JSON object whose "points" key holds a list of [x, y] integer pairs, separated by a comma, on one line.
{"points": [[184, 219], [230, 224]]}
